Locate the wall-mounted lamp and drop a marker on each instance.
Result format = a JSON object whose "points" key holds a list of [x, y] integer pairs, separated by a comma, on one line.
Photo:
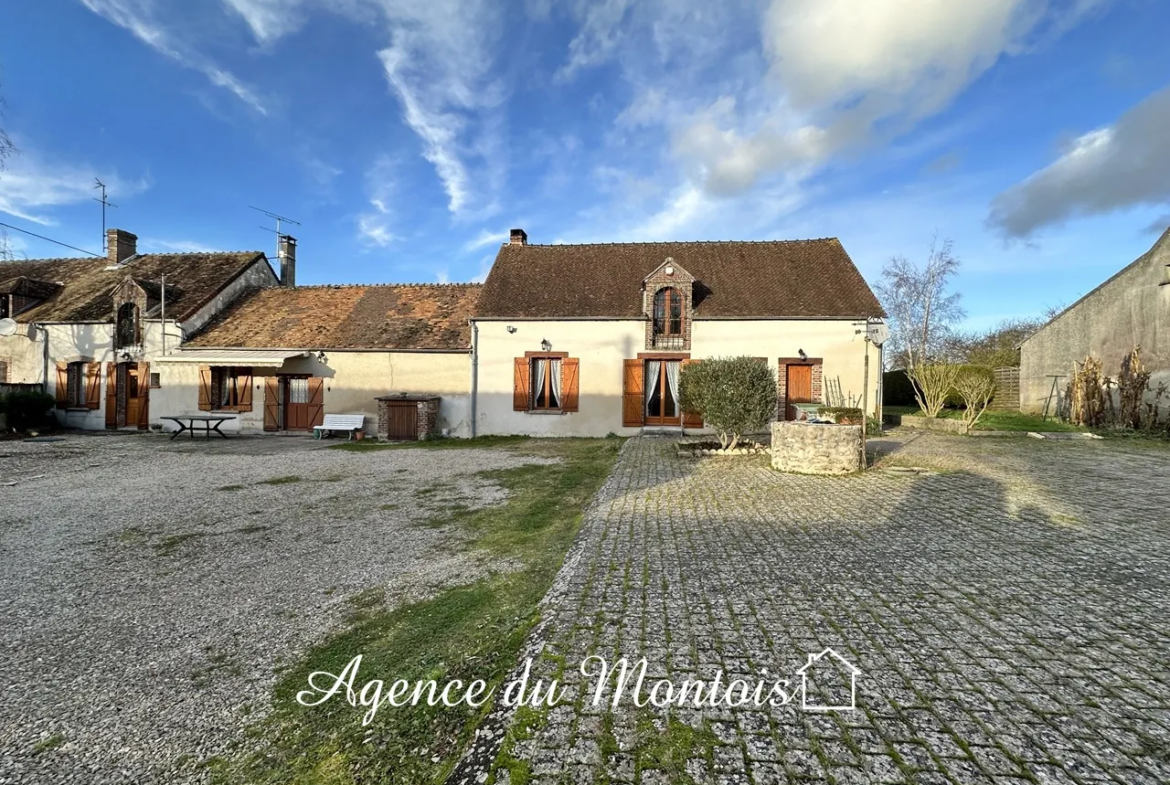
{"points": [[511, 329], [125, 357], [321, 358], [545, 345], [803, 356]]}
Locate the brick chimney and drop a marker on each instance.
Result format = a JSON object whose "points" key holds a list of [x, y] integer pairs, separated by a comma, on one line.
{"points": [[120, 245], [287, 254], [519, 237]]}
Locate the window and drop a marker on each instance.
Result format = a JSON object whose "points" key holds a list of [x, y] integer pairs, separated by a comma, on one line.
{"points": [[668, 312], [3, 371], [75, 386], [154, 380], [126, 331], [225, 388], [298, 390], [546, 383]]}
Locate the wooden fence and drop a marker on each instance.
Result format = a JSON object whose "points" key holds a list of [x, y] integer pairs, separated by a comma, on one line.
{"points": [[1007, 390]]}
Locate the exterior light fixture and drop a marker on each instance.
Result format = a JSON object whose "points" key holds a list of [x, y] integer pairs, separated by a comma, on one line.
{"points": [[545, 345], [803, 356], [321, 357], [511, 329]]}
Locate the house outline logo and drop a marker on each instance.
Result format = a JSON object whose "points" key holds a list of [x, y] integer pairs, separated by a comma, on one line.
{"points": [[813, 659]]}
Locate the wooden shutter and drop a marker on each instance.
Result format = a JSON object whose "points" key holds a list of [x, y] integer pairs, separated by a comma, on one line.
{"points": [[62, 385], [93, 385], [570, 367], [520, 385], [316, 401], [204, 388], [244, 386], [633, 405], [143, 396], [111, 395], [691, 419], [271, 403]]}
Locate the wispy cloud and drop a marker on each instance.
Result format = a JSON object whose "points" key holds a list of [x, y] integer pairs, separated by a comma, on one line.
{"points": [[140, 18], [31, 187], [486, 238], [158, 245], [374, 226]]}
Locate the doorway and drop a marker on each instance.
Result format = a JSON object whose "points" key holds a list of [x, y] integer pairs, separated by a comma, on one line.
{"points": [[798, 389], [293, 403], [128, 395], [661, 392]]}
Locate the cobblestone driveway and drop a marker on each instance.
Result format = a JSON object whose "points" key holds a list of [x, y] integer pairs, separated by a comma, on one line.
{"points": [[1010, 615], [149, 588]]}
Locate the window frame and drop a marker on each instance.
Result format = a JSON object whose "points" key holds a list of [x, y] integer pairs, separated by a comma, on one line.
{"points": [[135, 322], [671, 300], [219, 373], [75, 392], [533, 396]]}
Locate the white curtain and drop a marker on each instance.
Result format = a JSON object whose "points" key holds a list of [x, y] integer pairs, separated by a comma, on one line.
{"points": [[538, 383], [653, 367], [556, 380], [672, 369]]}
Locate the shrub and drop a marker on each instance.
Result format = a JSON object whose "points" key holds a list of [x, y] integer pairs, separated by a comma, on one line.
{"points": [[897, 389], [932, 384], [846, 415], [954, 397], [974, 385], [735, 395], [26, 409]]}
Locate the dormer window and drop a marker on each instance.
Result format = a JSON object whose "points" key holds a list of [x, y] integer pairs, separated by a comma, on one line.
{"points": [[669, 306], [127, 328]]}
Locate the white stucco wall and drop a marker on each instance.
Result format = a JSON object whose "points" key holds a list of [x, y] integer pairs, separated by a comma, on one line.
{"points": [[353, 382], [602, 346]]}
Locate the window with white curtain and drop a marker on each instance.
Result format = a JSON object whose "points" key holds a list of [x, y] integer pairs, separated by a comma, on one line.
{"points": [[546, 383]]}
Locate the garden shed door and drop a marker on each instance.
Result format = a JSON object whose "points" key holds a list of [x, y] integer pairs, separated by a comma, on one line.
{"points": [[798, 388]]}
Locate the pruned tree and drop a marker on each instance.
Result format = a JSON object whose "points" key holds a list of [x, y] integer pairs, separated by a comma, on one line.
{"points": [[7, 148], [922, 311], [976, 386], [933, 382]]}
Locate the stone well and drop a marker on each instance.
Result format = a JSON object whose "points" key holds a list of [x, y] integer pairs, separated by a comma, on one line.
{"points": [[810, 448]]}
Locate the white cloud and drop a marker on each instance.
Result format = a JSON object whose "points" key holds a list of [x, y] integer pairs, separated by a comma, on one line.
{"points": [[158, 245], [269, 19], [1107, 169], [139, 18], [486, 238], [375, 230], [30, 187], [600, 32]]}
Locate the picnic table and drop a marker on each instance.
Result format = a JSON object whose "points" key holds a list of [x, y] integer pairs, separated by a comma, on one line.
{"points": [[211, 423]]}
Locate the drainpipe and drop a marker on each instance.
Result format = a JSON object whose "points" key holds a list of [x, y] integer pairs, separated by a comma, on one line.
{"points": [[474, 372], [163, 315], [45, 356]]}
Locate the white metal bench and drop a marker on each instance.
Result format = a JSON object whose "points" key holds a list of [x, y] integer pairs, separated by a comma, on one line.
{"points": [[349, 423]]}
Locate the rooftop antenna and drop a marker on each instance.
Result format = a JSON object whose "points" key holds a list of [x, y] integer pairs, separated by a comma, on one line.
{"points": [[105, 203], [279, 220]]}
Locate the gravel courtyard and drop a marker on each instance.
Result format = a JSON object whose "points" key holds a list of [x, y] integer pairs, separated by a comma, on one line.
{"points": [[149, 588], [1009, 611]]}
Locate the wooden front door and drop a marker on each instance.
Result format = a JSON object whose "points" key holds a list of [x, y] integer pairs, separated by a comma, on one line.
{"points": [[304, 403], [662, 404], [128, 395], [798, 389], [403, 424]]}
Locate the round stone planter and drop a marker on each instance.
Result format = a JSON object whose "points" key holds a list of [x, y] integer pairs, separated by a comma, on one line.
{"points": [[703, 449]]}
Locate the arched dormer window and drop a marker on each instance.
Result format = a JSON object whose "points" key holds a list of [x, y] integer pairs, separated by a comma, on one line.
{"points": [[126, 330], [668, 312]]}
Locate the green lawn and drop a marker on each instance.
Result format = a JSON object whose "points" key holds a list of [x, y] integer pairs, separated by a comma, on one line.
{"points": [[467, 632], [998, 421]]}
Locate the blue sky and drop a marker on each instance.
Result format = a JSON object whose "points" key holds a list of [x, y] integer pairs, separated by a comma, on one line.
{"points": [[408, 137]]}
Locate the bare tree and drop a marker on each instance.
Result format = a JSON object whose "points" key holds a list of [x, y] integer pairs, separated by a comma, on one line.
{"points": [[922, 311], [7, 148]]}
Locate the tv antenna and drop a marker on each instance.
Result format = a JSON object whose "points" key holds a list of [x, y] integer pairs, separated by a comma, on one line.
{"points": [[105, 203], [278, 218]]}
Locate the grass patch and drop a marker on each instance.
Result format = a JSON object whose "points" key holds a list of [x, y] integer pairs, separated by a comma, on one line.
{"points": [[49, 743], [434, 444], [467, 632], [230, 488], [281, 480], [998, 421], [170, 544]]}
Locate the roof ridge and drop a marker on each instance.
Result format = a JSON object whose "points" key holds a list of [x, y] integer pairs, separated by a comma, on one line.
{"points": [[381, 285], [679, 242]]}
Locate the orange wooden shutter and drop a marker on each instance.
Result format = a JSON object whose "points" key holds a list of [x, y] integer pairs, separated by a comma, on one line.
{"points": [[111, 395], [244, 385], [633, 405], [62, 385], [691, 419], [570, 367], [204, 388], [93, 385], [316, 401], [271, 403], [520, 385], [143, 396]]}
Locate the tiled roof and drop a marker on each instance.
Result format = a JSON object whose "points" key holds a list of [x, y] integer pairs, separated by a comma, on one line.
{"points": [[788, 279], [401, 316], [86, 285]]}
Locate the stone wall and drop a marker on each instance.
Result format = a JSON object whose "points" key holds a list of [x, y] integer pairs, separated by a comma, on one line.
{"points": [[924, 423], [803, 448]]}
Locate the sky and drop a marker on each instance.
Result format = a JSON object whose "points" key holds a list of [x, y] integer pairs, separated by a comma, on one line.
{"points": [[408, 136]]}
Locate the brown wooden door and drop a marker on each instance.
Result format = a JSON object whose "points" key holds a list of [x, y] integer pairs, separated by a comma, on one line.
{"points": [[111, 395], [296, 404], [662, 408], [798, 388], [633, 408], [134, 393], [403, 425], [142, 399], [272, 403]]}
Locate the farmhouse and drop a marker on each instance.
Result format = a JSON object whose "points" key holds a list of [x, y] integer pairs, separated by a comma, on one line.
{"points": [[1130, 309], [585, 340]]}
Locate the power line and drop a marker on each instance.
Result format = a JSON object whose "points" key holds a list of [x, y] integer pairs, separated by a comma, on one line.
{"points": [[50, 239]]}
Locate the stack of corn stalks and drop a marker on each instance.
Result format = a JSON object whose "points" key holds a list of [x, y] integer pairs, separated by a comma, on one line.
{"points": [[1087, 394], [1132, 385]]}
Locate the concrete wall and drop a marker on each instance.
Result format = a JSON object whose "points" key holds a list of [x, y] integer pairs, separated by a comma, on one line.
{"points": [[1131, 309], [353, 380], [602, 346]]}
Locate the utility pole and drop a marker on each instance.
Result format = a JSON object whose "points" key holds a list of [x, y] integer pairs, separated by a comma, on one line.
{"points": [[104, 203]]}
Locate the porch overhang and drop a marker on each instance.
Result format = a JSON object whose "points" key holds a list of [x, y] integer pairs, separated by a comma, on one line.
{"points": [[254, 358]]}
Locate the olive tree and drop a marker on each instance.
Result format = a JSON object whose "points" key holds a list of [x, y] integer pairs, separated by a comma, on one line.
{"points": [[735, 395]]}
